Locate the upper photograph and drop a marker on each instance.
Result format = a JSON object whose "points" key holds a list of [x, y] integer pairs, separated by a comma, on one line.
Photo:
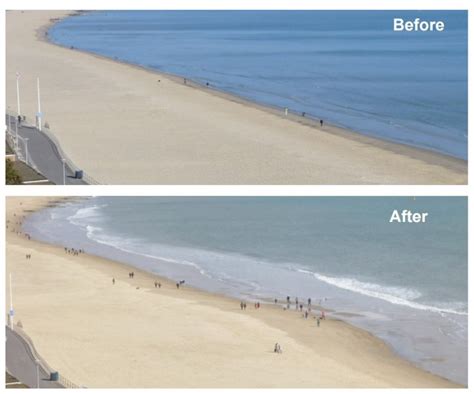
{"points": [[236, 97]]}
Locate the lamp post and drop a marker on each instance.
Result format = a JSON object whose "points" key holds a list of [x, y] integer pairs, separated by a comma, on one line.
{"points": [[64, 171], [39, 116], [12, 313], [18, 93], [37, 373], [16, 135], [26, 150]]}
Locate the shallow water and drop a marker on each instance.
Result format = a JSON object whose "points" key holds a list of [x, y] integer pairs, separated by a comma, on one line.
{"points": [[347, 67]]}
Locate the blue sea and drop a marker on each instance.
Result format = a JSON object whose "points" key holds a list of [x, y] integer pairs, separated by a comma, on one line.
{"points": [[346, 67], [405, 283]]}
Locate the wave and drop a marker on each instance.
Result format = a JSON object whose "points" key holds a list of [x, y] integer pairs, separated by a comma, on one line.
{"points": [[136, 247], [392, 294], [83, 215]]}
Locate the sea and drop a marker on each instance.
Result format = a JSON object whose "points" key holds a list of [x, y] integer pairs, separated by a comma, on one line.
{"points": [[347, 67], [405, 283]]}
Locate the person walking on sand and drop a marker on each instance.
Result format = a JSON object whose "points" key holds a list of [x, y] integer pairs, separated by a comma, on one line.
{"points": [[277, 348], [321, 123], [318, 321], [113, 281], [177, 285], [156, 284], [309, 301]]}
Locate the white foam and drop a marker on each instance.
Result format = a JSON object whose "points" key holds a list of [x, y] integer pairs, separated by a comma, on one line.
{"points": [[132, 246], [395, 295], [86, 214]]}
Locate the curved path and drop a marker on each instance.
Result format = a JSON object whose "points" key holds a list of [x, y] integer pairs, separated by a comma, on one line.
{"points": [[43, 154], [20, 362]]}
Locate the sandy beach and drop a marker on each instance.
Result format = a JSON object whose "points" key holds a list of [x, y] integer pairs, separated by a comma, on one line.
{"points": [[132, 335], [125, 125]]}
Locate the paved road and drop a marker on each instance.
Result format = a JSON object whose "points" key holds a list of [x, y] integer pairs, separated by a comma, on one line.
{"points": [[21, 363], [43, 155]]}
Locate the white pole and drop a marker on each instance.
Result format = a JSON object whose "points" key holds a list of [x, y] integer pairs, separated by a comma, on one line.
{"points": [[16, 135], [37, 374], [64, 171], [18, 93], [11, 304], [39, 104], [26, 150]]}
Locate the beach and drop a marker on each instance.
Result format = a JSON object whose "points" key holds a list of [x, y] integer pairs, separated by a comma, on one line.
{"points": [[131, 334], [142, 127]]}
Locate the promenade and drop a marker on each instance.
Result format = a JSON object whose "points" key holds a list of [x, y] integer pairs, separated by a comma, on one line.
{"points": [[43, 154], [21, 363]]}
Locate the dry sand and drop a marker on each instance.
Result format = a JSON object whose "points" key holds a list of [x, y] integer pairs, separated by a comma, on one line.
{"points": [[133, 335], [122, 126]]}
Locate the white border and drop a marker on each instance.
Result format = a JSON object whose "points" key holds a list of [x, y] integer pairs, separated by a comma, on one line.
{"points": [[352, 190]]}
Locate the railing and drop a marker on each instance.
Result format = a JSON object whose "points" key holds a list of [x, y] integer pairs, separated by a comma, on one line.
{"points": [[13, 141], [41, 362], [68, 384], [47, 132], [90, 180]]}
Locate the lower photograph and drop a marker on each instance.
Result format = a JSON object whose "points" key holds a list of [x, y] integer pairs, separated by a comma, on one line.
{"points": [[236, 292]]}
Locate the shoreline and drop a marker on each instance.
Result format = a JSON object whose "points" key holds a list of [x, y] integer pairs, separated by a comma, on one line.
{"points": [[370, 349], [295, 138], [429, 156]]}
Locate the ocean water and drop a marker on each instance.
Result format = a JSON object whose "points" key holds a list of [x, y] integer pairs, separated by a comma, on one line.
{"points": [[405, 283], [346, 67]]}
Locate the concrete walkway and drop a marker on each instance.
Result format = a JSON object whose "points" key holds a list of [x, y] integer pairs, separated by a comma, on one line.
{"points": [[43, 154], [20, 362]]}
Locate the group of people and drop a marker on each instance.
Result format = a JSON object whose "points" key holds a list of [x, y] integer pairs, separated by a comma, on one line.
{"points": [[28, 256], [277, 348], [74, 252], [303, 114], [157, 284], [131, 275], [243, 305]]}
